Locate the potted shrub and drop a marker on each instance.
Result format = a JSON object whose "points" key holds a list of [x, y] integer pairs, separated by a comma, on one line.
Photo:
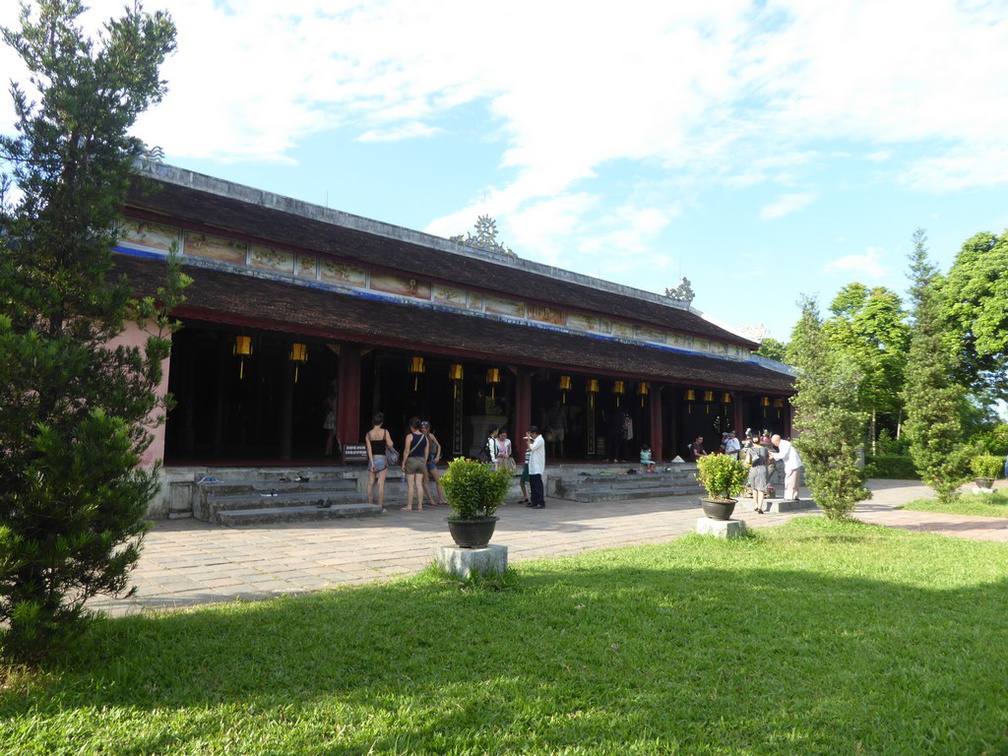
{"points": [[986, 468], [722, 477], [474, 491]]}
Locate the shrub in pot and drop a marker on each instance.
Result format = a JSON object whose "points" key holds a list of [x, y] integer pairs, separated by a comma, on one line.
{"points": [[986, 468], [474, 492], [722, 477]]}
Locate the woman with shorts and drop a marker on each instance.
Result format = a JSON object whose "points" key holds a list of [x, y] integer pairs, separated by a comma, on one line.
{"points": [[414, 463], [432, 473], [377, 441]]}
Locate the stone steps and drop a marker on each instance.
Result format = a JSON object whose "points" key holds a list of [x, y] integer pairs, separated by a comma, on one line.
{"points": [[253, 497], [605, 486], [294, 513]]}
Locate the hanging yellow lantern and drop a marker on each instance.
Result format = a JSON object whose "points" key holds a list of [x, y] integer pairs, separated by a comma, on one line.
{"points": [[618, 389], [690, 397], [242, 348], [493, 378], [564, 384], [726, 398], [765, 401], [642, 391], [298, 354], [455, 376], [416, 367]]}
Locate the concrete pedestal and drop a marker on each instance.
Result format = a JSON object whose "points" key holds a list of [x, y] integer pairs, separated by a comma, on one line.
{"points": [[787, 505], [491, 560], [720, 528]]}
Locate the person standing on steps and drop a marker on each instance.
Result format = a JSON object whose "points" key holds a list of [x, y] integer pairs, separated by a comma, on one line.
{"points": [[537, 466], [414, 462], [377, 442]]}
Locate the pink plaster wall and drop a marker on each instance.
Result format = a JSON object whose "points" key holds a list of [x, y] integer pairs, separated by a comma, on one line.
{"points": [[134, 336]]}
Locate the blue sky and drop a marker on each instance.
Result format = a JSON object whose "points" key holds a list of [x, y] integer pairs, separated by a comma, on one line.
{"points": [[763, 150]]}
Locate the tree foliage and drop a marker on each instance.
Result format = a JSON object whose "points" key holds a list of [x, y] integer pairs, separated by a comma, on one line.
{"points": [[870, 326], [975, 301], [828, 419], [75, 408], [772, 349], [932, 394]]}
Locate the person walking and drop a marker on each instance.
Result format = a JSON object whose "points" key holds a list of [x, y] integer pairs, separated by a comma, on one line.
{"points": [[525, 481], [431, 473], [414, 463], [537, 466], [378, 442], [757, 457], [792, 465]]}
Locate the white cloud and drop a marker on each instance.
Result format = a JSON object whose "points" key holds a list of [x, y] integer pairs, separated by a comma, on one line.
{"points": [[868, 265], [786, 204], [724, 94]]}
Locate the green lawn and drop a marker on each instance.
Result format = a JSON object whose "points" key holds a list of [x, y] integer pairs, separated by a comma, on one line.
{"points": [[984, 505], [811, 638]]}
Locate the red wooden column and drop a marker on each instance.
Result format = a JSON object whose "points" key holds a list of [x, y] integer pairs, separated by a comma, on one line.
{"points": [[348, 421], [657, 453], [523, 405]]}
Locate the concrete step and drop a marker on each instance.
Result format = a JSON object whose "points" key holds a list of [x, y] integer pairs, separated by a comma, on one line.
{"points": [[284, 500], [621, 487], [259, 516]]}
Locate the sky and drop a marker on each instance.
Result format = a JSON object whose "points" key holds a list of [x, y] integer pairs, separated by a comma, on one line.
{"points": [[763, 150]]}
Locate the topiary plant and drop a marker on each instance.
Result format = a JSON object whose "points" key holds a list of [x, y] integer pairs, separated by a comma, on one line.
{"points": [[473, 489], [721, 475], [987, 466]]}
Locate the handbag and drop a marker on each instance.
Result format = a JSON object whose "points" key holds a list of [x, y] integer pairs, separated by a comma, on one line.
{"points": [[392, 456]]}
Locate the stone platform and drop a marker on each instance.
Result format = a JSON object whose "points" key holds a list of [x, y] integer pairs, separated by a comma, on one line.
{"points": [[720, 528], [463, 563]]}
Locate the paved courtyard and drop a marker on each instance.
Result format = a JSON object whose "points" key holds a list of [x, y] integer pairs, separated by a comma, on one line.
{"points": [[187, 562]]}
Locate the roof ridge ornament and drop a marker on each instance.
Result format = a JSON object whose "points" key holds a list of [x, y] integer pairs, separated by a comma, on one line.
{"points": [[681, 293], [485, 238]]}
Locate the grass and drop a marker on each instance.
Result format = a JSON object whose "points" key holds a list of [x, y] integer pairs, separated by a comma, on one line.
{"points": [[984, 505], [811, 638]]}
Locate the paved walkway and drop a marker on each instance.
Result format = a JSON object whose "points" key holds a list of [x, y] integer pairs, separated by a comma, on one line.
{"points": [[187, 562]]}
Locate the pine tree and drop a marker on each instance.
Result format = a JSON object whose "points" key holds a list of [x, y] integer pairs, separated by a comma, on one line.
{"points": [[932, 395], [75, 409], [829, 424]]}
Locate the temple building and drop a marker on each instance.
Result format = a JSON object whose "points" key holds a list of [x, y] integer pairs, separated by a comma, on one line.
{"points": [[297, 309]]}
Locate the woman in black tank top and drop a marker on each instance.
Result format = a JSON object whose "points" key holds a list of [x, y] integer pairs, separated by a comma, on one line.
{"points": [[377, 442]]}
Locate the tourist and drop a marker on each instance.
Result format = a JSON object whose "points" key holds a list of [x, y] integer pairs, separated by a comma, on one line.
{"points": [[696, 449], [756, 458], [504, 458], [646, 463], [330, 422], [732, 445], [414, 462], [431, 473], [524, 479], [537, 466], [490, 450], [378, 442], [792, 466]]}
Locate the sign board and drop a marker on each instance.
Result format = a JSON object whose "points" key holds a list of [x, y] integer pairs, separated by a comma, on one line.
{"points": [[354, 453]]}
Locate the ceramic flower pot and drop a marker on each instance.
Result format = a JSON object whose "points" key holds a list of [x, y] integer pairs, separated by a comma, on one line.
{"points": [[472, 534], [718, 509]]}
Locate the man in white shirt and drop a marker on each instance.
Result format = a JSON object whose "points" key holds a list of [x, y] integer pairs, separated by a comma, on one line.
{"points": [[537, 466], [792, 465], [732, 445]]}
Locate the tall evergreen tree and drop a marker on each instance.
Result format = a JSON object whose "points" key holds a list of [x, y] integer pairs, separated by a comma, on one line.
{"points": [[932, 395], [828, 419], [870, 325], [75, 409]]}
